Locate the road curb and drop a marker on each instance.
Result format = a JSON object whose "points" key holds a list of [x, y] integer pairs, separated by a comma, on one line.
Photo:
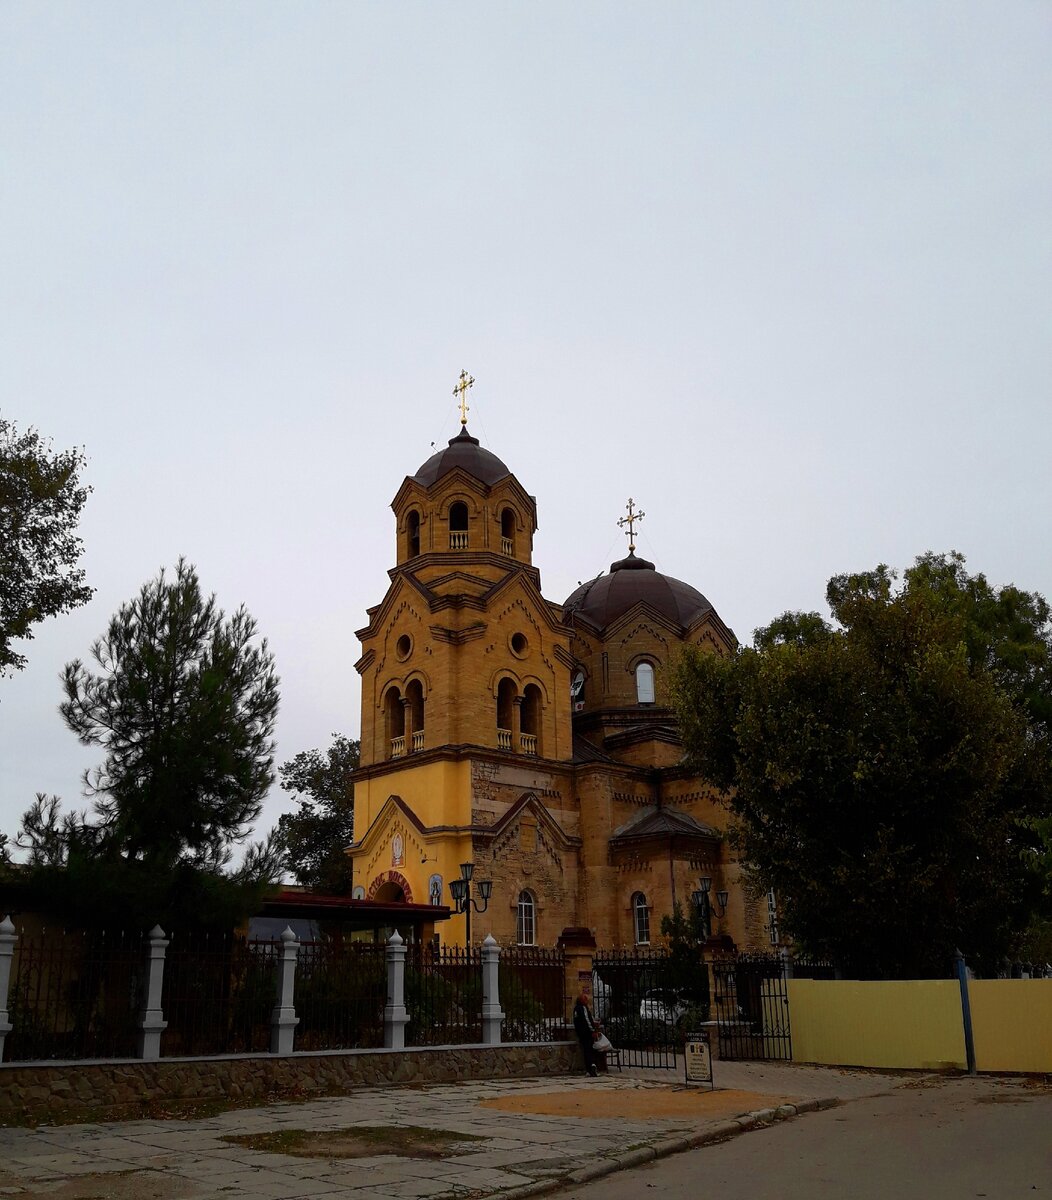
{"points": [[644, 1154]]}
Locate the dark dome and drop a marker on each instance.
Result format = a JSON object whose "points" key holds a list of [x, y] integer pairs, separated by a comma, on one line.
{"points": [[463, 451], [631, 581]]}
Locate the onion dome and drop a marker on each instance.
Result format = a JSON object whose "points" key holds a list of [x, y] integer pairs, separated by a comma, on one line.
{"points": [[635, 581], [464, 452]]}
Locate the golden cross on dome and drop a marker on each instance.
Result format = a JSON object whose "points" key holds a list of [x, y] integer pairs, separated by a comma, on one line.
{"points": [[634, 515], [461, 393]]}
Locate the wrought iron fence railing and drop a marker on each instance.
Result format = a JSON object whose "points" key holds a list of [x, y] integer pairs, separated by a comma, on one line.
{"points": [[532, 994], [752, 1006], [74, 995], [339, 995], [218, 994], [443, 995]]}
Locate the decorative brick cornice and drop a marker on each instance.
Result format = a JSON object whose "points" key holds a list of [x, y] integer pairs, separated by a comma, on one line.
{"points": [[457, 637]]}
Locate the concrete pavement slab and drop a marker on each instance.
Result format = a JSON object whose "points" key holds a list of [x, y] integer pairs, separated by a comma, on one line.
{"points": [[533, 1134]]}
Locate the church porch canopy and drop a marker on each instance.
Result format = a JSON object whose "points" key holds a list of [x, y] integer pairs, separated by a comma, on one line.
{"points": [[668, 828]]}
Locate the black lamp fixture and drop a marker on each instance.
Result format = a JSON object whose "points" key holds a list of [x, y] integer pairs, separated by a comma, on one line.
{"points": [[464, 902], [704, 905]]}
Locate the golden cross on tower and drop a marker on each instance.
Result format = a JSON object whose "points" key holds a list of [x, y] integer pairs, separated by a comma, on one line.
{"points": [[461, 392], [630, 521]]}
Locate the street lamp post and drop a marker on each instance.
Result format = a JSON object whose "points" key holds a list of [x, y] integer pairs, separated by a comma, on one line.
{"points": [[704, 905], [464, 902]]}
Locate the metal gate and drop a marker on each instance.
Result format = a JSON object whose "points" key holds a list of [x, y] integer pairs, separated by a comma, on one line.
{"points": [[638, 1010], [752, 1007]]}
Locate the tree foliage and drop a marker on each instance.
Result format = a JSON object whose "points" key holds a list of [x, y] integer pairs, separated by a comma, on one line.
{"points": [[183, 702], [40, 502], [316, 834], [75, 874], [888, 772], [684, 971]]}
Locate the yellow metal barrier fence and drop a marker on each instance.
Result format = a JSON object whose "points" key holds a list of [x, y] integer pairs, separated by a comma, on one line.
{"points": [[894, 1024], [1012, 1023]]}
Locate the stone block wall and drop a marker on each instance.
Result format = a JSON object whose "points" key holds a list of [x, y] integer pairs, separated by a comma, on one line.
{"points": [[100, 1090]]}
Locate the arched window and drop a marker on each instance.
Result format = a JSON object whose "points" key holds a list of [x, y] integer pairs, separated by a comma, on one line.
{"points": [[413, 529], [530, 739], [641, 919], [507, 531], [414, 693], [394, 722], [645, 683], [525, 923], [505, 712], [458, 526]]}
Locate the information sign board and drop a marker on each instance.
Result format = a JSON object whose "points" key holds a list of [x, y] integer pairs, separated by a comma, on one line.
{"points": [[698, 1058]]}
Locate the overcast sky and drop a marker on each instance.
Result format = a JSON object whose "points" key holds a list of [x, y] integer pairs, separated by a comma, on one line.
{"points": [[779, 271]]}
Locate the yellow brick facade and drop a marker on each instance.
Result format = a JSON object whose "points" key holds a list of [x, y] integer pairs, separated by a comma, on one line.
{"points": [[519, 734]]}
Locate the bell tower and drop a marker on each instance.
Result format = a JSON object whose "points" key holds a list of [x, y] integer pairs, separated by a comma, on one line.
{"points": [[464, 669]]}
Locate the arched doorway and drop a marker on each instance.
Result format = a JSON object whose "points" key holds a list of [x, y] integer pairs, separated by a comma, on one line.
{"points": [[390, 887]]}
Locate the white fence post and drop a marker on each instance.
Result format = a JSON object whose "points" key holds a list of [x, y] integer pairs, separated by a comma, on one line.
{"points": [[395, 1016], [8, 937], [283, 1019], [151, 1020], [492, 1017]]}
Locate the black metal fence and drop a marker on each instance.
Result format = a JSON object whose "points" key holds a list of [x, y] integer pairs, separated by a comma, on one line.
{"points": [[74, 995], [218, 994], [531, 983], [443, 995], [752, 1007], [340, 990], [645, 1008]]}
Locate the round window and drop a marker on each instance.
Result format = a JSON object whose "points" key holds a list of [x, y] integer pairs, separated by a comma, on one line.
{"points": [[519, 644], [404, 646]]}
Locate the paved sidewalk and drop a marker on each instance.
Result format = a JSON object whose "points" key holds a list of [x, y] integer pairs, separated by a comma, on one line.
{"points": [[534, 1135]]}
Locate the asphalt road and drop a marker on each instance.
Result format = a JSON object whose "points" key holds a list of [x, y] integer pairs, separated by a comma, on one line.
{"points": [[952, 1138]]}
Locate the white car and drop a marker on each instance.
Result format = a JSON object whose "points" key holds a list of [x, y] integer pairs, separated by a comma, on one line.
{"points": [[664, 1007]]}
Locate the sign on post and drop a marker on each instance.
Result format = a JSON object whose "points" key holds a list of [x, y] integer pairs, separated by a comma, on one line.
{"points": [[698, 1059]]}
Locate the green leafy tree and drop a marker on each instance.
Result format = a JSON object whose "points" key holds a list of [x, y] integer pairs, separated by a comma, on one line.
{"points": [[40, 502], [684, 973], [75, 873], [888, 772], [183, 702], [317, 833]]}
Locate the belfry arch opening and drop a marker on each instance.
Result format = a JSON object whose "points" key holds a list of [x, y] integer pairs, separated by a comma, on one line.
{"points": [[389, 893], [413, 533], [506, 693], [394, 723], [458, 525], [414, 694], [530, 736], [507, 531]]}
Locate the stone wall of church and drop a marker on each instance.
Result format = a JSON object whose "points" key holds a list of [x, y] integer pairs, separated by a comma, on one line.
{"points": [[608, 798], [535, 850]]}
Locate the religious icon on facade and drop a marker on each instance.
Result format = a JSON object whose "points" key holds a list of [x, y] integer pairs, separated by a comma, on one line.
{"points": [[434, 889], [397, 851]]}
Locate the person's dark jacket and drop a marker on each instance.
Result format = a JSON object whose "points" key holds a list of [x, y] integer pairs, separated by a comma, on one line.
{"points": [[583, 1022]]}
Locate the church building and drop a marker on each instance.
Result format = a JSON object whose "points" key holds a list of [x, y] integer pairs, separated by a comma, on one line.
{"points": [[527, 737]]}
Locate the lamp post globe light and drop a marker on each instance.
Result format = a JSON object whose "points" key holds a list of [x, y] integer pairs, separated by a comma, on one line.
{"points": [[463, 901]]}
